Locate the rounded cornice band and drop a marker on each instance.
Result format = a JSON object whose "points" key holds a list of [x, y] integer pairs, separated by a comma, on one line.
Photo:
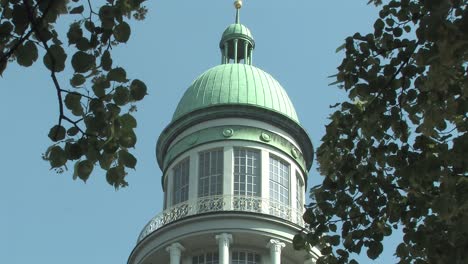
{"points": [[244, 133]]}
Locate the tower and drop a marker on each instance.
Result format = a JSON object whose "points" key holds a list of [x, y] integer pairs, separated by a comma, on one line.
{"points": [[234, 160]]}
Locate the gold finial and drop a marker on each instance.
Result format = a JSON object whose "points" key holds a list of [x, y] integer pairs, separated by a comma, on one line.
{"points": [[238, 4]]}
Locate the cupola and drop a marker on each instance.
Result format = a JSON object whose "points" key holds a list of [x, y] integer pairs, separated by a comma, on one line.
{"points": [[234, 163], [237, 43]]}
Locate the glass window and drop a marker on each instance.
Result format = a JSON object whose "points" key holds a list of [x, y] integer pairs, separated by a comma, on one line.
{"points": [[279, 181], [181, 181], [245, 257], [206, 258], [246, 172], [299, 193], [210, 173]]}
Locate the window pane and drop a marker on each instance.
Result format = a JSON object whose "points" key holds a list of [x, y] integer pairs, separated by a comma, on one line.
{"points": [[181, 180], [246, 172], [206, 258], [299, 193], [279, 181], [210, 173], [244, 257]]}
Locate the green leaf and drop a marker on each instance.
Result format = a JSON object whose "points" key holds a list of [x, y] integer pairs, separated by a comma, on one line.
{"points": [[121, 95], [106, 14], [83, 44], [77, 80], [299, 242], [99, 86], [105, 160], [19, 16], [5, 29], [55, 58], [128, 139], [122, 32], [138, 90], [82, 61], [77, 10], [397, 32], [402, 250], [106, 61], [73, 151], [335, 240], [127, 159], [115, 176], [26, 54], [57, 157], [128, 121], [72, 131], [84, 169], [309, 217], [118, 75], [89, 25], [378, 27], [73, 102], [57, 133], [74, 33], [375, 249]]}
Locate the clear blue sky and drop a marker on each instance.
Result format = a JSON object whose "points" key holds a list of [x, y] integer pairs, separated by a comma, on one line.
{"points": [[49, 218]]}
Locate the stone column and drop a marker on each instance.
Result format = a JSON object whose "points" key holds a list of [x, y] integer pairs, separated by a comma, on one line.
{"points": [[246, 51], [224, 241], [275, 247], [226, 52], [175, 252], [235, 50]]}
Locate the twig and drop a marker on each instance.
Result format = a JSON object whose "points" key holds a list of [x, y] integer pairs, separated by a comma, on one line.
{"points": [[76, 93]]}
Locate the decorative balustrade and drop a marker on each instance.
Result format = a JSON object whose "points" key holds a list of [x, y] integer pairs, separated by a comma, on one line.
{"points": [[222, 203]]}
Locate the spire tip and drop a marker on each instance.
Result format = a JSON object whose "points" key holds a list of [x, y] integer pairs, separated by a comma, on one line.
{"points": [[238, 4]]}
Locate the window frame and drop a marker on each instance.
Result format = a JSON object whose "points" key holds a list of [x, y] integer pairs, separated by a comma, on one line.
{"points": [[184, 181], [210, 176], [242, 177], [204, 255], [246, 260], [299, 192], [278, 182]]}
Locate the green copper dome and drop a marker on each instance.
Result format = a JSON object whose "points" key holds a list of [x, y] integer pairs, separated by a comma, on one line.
{"points": [[236, 84], [235, 89], [234, 31]]}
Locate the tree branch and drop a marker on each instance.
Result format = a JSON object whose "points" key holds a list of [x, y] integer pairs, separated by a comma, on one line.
{"points": [[33, 22], [24, 37]]}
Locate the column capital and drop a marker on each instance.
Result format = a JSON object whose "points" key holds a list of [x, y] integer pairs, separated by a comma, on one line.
{"points": [[224, 238], [275, 245], [175, 247]]}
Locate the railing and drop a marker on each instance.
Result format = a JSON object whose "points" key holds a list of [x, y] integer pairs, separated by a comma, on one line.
{"points": [[222, 203]]}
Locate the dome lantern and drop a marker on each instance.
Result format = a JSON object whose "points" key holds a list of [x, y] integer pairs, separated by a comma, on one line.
{"points": [[237, 43]]}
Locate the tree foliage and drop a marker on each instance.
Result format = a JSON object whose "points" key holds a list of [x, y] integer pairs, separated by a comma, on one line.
{"points": [[95, 122], [394, 154]]}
